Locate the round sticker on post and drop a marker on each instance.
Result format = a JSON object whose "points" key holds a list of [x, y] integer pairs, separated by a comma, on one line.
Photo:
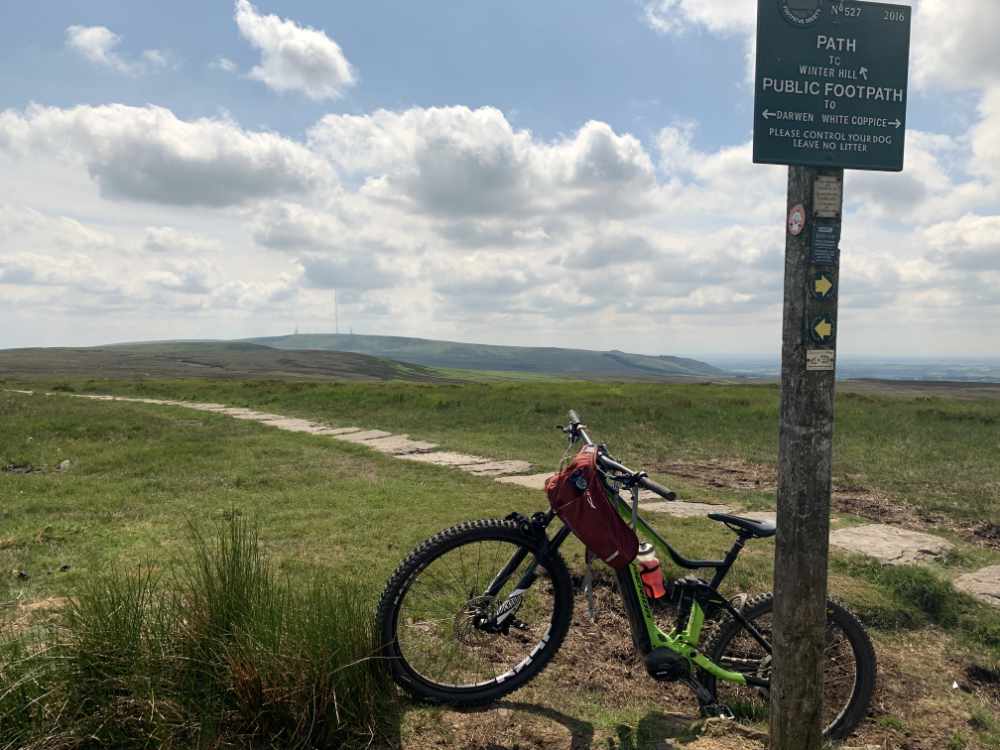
{"points": [[796, 220]]}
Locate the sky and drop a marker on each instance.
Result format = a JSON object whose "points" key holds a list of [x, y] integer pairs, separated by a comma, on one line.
{"points": [[540, 174]]}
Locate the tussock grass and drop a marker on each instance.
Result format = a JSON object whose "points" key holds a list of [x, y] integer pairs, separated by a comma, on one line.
{"points": [[221, 654], [913, 596]]}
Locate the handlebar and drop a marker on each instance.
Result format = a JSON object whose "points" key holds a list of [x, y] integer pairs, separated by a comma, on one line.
{"points": [[576, 430], [659, 489]]}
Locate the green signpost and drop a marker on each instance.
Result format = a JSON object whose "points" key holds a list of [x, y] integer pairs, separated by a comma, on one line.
{"points": [[831, 92], [831, 84]]}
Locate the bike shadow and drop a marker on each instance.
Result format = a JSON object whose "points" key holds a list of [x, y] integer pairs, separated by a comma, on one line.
{"points": [[656, 730]]}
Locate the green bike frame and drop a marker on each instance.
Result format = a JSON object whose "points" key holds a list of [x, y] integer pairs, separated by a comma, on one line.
{"points": [[684, 642], [684, 639]]}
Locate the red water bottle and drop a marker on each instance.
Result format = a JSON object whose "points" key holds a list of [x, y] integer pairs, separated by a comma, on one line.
{"points": [[650, 572]]}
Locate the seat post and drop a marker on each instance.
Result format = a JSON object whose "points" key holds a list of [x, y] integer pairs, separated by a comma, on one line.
{"points": [[734, 552]]}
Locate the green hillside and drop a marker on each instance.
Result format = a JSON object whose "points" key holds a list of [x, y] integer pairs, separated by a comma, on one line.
{"points": [[547, 360], [203, 359]]}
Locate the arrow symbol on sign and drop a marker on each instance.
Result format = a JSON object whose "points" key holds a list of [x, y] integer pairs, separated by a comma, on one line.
{"points": [[897, 123], [824, 329], [823, 286], [864, 73], [768, 114]]}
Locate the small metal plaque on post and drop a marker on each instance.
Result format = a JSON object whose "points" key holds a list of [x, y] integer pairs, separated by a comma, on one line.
{"points": [[826, 242], [827, 196], [821, 360]]}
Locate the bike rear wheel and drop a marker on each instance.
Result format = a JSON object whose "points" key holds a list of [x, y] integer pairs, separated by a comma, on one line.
{"points": [[437, 629], [848, 675]]}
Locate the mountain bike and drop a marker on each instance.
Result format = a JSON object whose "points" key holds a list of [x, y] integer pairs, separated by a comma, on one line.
{"points": [[478, 610]]}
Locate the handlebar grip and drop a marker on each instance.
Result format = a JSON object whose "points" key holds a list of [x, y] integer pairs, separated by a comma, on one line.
{"points": [[574, 418], [606, 463], [659, 489]]}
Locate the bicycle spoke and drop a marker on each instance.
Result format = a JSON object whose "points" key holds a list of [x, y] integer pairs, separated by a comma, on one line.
{"points": [[743, 654], [444, 622]]}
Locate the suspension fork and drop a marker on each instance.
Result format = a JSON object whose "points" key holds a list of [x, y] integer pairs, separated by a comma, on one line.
{"points": [[509, 605]]}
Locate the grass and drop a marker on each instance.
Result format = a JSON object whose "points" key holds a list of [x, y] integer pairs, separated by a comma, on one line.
{"points": [[904, 447], [336, 512], [208, 359], [224, 652], [913, 596], [449, 354]]}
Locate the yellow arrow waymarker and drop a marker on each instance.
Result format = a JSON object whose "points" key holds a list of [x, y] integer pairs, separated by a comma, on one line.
{"points": [[823, 286], [824, 329]]}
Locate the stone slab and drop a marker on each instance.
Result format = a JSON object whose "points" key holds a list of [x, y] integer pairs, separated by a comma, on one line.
{"points": [[363, 436], [268, 418], [15, 390], [205, 406], [984, 584], [497, 468], [399, 445], [240, 413], [300, 425], [531, 481], [760, 515], [645, 497], [890, 544], [446, 458], [686, 510]]}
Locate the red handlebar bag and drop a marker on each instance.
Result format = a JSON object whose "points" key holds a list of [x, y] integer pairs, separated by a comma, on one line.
{"points": [[578, 496]]}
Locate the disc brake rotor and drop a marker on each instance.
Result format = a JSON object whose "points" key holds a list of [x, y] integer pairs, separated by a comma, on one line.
{"points": [[470, 618]]}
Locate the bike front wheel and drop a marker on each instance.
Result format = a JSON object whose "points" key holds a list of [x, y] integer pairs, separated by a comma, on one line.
{"points": [[453, 624], [848, 671]]}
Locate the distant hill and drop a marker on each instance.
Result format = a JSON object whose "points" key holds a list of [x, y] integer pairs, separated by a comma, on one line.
{"points": [[203, 359], [548, 360]]}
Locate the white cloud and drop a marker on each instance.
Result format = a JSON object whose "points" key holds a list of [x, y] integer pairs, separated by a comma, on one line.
{"points": [[25, 229], [267, 296], [148, 154], [348, 270], [224, 64], [292, 227], [171, 241], [955, 44], [453, 222], [719, 16], [99, 44], [971, 243], [188, 276], [294, 58], [456, 161], [985, 137]]}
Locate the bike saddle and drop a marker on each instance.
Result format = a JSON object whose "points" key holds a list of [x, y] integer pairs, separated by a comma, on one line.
{"points": [[749, 526]]}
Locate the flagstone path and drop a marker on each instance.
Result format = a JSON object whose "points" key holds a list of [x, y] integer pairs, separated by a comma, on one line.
{"points": [[889, 544]]}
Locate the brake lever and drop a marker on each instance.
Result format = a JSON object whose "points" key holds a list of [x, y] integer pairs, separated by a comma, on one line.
{"points": [[632, 480]]}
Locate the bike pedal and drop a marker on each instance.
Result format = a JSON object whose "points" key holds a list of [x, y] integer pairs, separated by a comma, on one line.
{"points": [[717, 711]]}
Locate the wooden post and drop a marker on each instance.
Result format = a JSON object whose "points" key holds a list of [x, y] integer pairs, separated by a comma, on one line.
{"points": [[815, 202]]}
